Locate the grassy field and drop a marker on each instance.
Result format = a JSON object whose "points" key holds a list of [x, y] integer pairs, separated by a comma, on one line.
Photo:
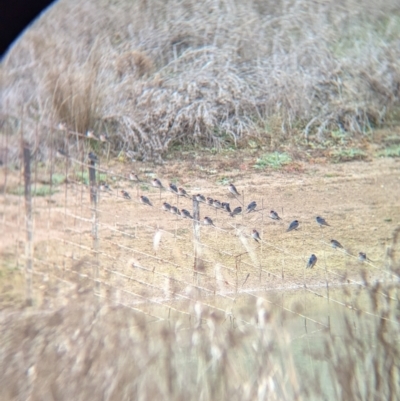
{"points": [[297, 104]]}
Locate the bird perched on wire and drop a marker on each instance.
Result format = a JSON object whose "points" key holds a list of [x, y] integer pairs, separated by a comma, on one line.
{"points": [[251, 207], [157, 183], [362, 256], [236, 211], [166, 207], [104, 138], [104, 187], [92, 156], [210, 201], [61, 153], [208, 222], [145, 200], [256, 235], [125, 194], [200, 198], [232, 189], [217, 204], [90, 135], [274, 216], [134, 177], [173, 188], [182, 192], [226, 207], [186, 214], [321, 221], [336, 244], [294, 225], [311, 262], [175, 210]]}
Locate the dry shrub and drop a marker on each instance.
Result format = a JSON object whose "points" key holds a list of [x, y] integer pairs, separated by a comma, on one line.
{"points": [[207, 73]]}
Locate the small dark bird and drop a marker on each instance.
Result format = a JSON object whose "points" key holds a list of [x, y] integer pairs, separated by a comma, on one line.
{"points": [[362, 256], [274, 216], [226, 207], [134, 177], [217, 204], [145, 200], [182, 192], [236, 210], [294, 225], [321, 221], [166, 207], [157, 183], [200, 198], [173, 188], [311, 262], [186, 214], [61, 153], [256, 235], [210, 201], [336, 244], [92, 156], [125, 194], [175, 210], [104, 187], [251, 207], [208, 222], [232, 189]]}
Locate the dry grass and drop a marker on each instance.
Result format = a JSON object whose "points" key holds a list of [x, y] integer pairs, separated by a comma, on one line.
{"points": [[215, 74]]}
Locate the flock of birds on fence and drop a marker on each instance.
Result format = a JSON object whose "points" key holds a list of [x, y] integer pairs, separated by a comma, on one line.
{"points": [[225, 206]]}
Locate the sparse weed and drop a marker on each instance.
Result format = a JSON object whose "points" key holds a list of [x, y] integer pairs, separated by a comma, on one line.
{"points": [[390, 151], [348, 155], [274, 160]]}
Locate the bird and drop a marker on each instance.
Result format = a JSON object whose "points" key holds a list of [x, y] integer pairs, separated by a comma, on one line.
{"points": [[62, 126], [362, 256], [90, 134], [208, 222], [232, 189], [92, 156], [61, 153], [186, 214], [145, 200], [311, 262], [200, 198], [336, 244], [226, 207], [274, 216], [175, 210], [125, 194], [251, 207], [210, 201], [256, 235], [104, 138], [294, 225], [166, 207], [236, 210], [217, 204], [104, 187], [157, 183], [134, 177], [173, 188], [182, 192], [321, 221]]}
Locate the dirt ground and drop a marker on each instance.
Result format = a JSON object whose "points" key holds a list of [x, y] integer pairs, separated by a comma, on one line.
{"points": [[145, 253]]}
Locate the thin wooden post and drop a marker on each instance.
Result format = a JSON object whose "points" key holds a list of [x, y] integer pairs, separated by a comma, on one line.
{"points": [[26, 153], [93, 201], [196, 236]]}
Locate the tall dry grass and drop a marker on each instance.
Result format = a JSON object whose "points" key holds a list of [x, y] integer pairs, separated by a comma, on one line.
{"points": [[155, 74]]}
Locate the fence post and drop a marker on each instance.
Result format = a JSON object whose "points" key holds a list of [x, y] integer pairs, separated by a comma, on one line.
{"points": [[196, 236], [93, 200], [26, 155]]}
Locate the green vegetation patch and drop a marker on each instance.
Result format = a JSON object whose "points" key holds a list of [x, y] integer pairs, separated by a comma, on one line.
{"points": [[390, 151], [83, 177], [42, 190], [274, 160], [348, 155]]}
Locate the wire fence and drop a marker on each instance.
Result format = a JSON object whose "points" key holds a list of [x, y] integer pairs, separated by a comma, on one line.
{"points": [[74, 222]]}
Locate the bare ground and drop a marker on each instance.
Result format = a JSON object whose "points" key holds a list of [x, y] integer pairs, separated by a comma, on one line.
{"points": [[360, 201]]}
